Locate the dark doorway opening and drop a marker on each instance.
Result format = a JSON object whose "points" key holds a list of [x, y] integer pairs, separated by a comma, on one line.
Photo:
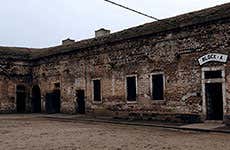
{"points": [[214, 101], [21, 99], [36, 99], [53, 102], [97, 90], [80, 101], [131, 88]]}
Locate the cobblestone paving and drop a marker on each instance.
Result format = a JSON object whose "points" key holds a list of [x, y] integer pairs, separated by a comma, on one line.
{"points": [[33, 133]]}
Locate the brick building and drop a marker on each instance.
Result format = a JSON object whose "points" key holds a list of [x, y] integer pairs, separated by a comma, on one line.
{"points": [[174, 70]]}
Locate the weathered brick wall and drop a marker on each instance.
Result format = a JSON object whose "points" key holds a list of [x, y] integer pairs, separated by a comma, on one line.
{"points": [[7, 95], [174, 52], [14, 73]]}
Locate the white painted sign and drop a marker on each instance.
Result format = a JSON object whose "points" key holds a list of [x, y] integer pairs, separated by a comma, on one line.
{"points": [[213, 57]]}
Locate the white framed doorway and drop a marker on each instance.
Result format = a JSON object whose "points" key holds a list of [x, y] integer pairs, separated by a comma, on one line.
{"points": [[213, 93]]}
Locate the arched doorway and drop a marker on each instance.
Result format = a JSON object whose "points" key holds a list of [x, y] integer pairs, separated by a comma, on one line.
{"points": [[21, 99], [36, 99]]}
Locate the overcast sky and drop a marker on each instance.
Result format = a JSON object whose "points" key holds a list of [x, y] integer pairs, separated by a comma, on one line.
{"points": [[44, 23]]}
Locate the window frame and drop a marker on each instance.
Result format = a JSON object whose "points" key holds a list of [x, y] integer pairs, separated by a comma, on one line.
{"points": [[151, 86]]}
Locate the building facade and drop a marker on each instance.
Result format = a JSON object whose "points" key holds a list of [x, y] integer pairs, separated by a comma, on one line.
{"points": [[171, 70]]}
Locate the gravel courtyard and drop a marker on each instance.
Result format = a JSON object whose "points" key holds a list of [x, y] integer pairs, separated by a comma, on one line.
{"points": [[34, 133]]}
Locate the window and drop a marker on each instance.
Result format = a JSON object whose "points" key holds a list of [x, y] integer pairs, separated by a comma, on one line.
{"points": [[97, 90], [57, 85], [213, 74], [131, 88], [157, 86]]}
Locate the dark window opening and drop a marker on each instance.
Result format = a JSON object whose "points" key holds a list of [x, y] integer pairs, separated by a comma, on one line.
{"points": [[157, 87], [213, 74], [57, 85], [97, 90], [21, 88], [131, 89], [80, 101]]}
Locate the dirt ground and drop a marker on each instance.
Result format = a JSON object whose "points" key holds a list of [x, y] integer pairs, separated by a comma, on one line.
{"points": [[34, 133]]}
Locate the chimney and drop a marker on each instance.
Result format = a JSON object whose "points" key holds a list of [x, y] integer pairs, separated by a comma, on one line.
{"points": [[101, 32], [68, 41]]}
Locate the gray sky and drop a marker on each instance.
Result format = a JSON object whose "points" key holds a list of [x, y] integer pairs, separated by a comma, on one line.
{"points": [[44, 23]]}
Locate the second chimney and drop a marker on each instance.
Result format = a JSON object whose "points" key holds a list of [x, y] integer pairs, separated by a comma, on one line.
{"points": [[101, 32], [67, 41]]}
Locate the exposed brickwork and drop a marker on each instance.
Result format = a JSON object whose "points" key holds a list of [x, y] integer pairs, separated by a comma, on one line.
{"points": [[12, 74]]}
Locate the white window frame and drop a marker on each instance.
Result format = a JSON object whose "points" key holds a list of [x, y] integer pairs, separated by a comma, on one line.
{"points": [[126, 91], [151, 86]]}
